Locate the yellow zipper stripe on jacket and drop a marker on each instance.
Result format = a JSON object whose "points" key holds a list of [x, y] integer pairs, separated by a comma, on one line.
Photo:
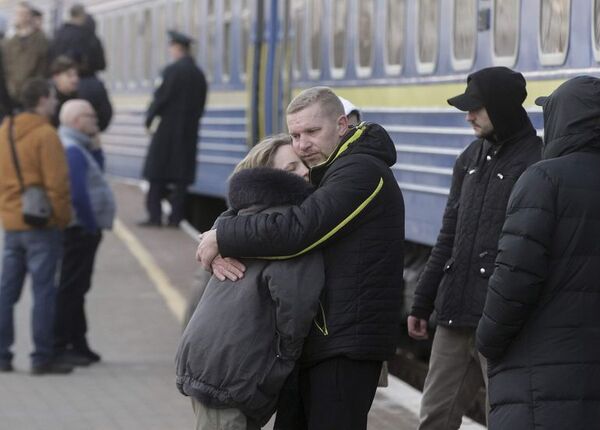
{"points": [[333, 231]]}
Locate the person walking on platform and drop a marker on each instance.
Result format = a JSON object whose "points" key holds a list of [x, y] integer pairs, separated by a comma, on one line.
{"points": [[171, 159], [356, 216], [31, 143], [94, 206], [265, 316], [540, 328], [455, 277], [25, 55]]}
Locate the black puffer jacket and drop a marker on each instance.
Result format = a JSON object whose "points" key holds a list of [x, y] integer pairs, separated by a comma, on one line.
{"points": [[455, 277], [244, 337], [357, 214], [540, 328]]}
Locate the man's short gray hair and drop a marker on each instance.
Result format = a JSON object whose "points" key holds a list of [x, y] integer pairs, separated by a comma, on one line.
{"points": [[330, 103]]}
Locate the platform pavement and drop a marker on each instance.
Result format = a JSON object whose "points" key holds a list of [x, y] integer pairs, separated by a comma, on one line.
{"points": [[136, 331]]}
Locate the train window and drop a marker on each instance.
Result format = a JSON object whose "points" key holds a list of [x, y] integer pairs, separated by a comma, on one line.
{"points": [[245, 37], [316, 11], [464, 34], [108, 31], [211, 39], [297, 18], [339, 18], [119, 51], [161, 39], [132, 63], [146, 29], [395, 27], [366, 14], [427, 35], [596, 28], [193, 14], [506, 31], [226, 49], [177, 18], [554, 31]]}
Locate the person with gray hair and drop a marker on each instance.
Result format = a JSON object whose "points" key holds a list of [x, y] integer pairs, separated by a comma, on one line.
{"points": [[94, 206], [356, 217]]}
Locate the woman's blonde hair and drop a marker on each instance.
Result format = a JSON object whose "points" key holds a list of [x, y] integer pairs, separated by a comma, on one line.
{"points": [[263, 153]]}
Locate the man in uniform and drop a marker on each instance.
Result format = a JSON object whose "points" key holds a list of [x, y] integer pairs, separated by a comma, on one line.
{"points": [[171, 160]]}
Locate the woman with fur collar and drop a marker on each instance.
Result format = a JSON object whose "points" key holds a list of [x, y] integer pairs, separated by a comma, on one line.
{"points": [[244, 337]]}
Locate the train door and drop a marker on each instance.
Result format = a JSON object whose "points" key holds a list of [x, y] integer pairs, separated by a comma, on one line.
{"points": [[268, 67]]}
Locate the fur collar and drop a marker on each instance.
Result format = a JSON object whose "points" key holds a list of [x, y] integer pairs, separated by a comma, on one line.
{"points": [[266, 187]]}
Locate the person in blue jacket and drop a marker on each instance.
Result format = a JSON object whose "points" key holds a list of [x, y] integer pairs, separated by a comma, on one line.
{"points": [[94, 208]]}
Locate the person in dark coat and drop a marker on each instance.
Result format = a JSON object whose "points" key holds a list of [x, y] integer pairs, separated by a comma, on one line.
{"points": [[77, 40], [540, 328], [65, 79], [171, 159], [265, 316], [92, 89], [356, 217], [454, 279]]}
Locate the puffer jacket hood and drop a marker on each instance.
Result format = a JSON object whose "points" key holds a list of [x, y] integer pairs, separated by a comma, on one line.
{"points": [[503, 92], [366, 138], [572, 117], [266, 187]]}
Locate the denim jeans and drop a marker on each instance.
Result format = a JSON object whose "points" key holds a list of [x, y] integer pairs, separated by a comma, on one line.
{"points": [[36, 252]]}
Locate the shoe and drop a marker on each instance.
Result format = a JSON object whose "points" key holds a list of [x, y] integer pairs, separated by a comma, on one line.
{"points": [[53, 367], [89, 354], [6, 367], [149, 223], [74, 358], [173, 224]]}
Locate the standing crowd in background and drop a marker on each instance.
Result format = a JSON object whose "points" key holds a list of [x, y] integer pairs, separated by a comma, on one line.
{"points": [[54, 107]]}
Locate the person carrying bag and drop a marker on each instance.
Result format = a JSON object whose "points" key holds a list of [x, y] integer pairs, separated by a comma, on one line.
{"points": [[36, 205]]}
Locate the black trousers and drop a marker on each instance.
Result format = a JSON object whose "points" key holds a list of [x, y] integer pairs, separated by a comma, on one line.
{"points": [[75, 281], [174, 192], [337, 393]]}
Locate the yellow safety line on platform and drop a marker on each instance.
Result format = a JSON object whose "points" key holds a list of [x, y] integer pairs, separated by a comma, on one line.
{"points": [[175, 301]]}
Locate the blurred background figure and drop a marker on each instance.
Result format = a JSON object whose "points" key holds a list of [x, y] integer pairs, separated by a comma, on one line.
{"points": [[28, 249], [5, 102], [94, 207], [65, 79], [171, 159], [77, 40], [37, 19], [25, 55], [351, 111]]}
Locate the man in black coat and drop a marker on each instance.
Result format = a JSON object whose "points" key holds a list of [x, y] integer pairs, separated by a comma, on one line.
{"points": [[356, 215], [454, 280], [540, 328], [77, 40], [171, 159]]}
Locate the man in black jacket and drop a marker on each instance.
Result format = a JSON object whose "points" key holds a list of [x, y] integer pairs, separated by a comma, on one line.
{"points": [[540, 328], [454, 280], [178, 104], [357, 216], [77, 40]]}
